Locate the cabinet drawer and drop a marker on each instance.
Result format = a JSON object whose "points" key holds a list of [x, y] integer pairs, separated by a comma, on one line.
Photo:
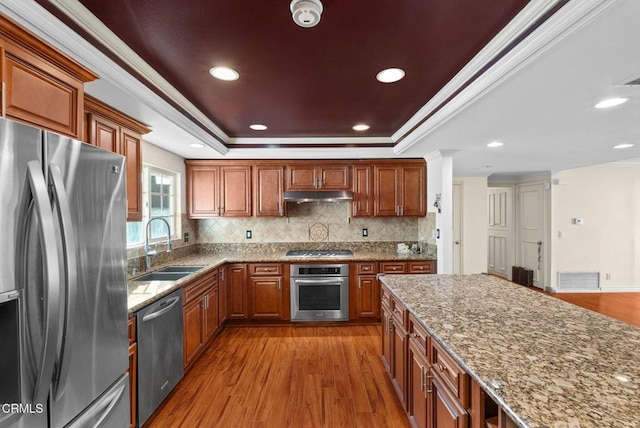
{"points": [[367, 268], [454, 377], [263, 269], [194, 289], [131, 327], [393, 267], [418, 334], [399, 313], [421, 267]]}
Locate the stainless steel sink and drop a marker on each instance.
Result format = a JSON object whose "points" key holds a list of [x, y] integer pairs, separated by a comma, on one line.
{"points": [[162, 276], [178, 268]]}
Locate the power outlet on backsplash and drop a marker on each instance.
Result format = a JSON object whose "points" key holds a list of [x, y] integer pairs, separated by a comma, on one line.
{"points": [[186, 237]]}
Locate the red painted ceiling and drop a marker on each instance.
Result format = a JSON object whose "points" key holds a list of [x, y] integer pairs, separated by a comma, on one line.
{"points": [[307, 82]]}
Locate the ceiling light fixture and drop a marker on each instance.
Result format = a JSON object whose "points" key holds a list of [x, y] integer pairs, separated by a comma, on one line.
{"points": [[495, 144], [224, 73], [361, 127], [390, 75], [611, 102], [196, 145], [306, 13], [623, 146], [258, 127]]}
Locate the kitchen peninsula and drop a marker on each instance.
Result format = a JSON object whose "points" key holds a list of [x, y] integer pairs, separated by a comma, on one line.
{"points": [[544, 362]]}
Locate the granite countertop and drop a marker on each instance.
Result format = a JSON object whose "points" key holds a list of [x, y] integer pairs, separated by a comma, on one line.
{"points": [[548, 363], [142, 293]]}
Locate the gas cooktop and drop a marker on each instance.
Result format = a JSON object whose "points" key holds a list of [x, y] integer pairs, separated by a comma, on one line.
{"points": [[319, 253]]}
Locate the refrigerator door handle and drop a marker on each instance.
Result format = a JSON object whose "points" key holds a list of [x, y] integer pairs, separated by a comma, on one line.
{"points": [[37, 193], [71, 279], [165, 308]]}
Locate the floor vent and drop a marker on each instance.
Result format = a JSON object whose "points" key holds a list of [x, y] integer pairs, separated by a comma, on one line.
{"points": [[578, 281]]}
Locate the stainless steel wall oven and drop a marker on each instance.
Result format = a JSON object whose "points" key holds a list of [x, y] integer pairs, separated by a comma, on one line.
{"points": [[320, 292]]}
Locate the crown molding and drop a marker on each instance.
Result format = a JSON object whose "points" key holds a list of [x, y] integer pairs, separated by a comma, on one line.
{"points": [[570, 18], [312, 140]]}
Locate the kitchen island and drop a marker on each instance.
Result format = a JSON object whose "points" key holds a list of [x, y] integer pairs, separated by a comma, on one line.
{"points": [[545, 362]]}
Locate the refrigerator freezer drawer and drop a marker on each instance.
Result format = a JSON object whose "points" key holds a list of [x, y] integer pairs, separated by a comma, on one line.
{"points": [[111, 409]]}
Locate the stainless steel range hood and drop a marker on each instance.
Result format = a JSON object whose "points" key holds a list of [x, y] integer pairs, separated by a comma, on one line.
{"points": [[319, 196]]}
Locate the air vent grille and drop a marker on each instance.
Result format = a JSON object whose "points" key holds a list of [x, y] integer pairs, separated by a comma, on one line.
{"points": [[578, 281]]}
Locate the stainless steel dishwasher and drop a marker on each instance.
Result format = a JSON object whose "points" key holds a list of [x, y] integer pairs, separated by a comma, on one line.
{"points": [[159, 328]]}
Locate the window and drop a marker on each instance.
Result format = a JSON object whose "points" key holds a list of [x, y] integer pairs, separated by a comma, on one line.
{"points": [[160, 198]]}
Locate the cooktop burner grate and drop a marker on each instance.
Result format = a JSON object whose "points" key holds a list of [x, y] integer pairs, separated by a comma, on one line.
{"points": [[319, 253]]}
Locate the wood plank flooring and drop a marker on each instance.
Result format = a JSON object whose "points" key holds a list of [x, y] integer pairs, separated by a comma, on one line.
{"points": [[621, 306], [287, 376]]}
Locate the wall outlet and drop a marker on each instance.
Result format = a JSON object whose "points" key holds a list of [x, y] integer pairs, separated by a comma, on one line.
{"points": [[435, 233], [365, 232], [186, 237], [248, 234]]}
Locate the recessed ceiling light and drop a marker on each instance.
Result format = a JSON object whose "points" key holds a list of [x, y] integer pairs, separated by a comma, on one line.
{"points": [[258, 127], [611, 102], [361, 127], [390, 75], [196, 145], [487, 166], [224, 73], [495, 144], [623, 146]]}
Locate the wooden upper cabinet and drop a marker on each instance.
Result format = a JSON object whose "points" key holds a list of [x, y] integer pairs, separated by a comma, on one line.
{"points": [[311, 176], [268, 190], [235, 191], [218, 190], [362, 205], [400, 190], [114, 131], [42, 87]]}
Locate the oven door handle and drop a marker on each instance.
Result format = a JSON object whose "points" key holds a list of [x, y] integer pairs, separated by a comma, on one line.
{"points": [[319, 281]]}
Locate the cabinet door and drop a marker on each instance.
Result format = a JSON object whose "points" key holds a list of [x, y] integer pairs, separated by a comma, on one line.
{"points": [[41, 95], [222, 295], [301, 177], [398, 373], [202, 191], [131, 148], [193, 339], [417, 396], [133, 383], [334, 177], [385, 189], [368, 297], [414, 193], [387, 339], [266, 297], [103, 133], [235, 191], [362, 205], [237, 289], [211, 320], [269, 191], [447, 410]]}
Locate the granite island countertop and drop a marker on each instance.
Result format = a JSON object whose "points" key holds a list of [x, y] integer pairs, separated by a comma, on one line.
{"points": [[142, 293], [548, 363]]}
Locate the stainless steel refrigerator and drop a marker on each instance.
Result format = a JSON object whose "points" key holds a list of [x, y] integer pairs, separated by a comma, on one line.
{"points": [[63, 296]]}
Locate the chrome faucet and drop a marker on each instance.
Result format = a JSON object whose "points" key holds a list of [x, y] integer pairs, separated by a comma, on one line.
{"points": [[148, 251]]}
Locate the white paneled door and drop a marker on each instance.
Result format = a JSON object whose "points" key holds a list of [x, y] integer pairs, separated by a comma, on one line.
{"points": [[531, 211], [500, 230]]}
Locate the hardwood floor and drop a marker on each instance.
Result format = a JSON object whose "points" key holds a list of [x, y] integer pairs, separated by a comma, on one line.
{"points": [[621, 306], [287, 376]]}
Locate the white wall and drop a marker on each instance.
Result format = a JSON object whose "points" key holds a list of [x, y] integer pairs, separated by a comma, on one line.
{"points": [[607, 197], [474, 223], [440, 180], [161, 158]]}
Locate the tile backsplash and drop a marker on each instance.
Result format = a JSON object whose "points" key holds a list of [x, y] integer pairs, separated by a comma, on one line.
{"points": [[308, 222]]}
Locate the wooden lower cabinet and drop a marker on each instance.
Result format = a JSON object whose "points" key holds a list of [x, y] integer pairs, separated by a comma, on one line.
{"points": [[238, 294], [417, 389], [368, 297], [387, 338], [266, 298], [200, 316], [399, 361], [222, 295], [447, 410], [133, 373]]}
